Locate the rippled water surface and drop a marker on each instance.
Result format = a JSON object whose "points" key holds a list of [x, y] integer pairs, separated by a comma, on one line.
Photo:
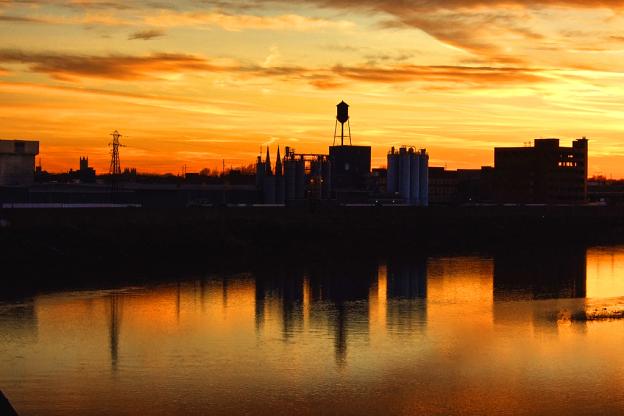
{"points": [[499, 334]]}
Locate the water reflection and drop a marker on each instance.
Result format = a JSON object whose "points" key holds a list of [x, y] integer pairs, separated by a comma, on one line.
{"points": [[312, 337], [115, 306], [405, 286], [18, 322], [541, 274]]}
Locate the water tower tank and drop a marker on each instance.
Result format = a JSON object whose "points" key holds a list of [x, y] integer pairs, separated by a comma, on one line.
{"points": [[343, 112]]}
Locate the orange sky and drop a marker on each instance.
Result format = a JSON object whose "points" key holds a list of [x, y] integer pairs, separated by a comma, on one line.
{"points": [[192, 83]]}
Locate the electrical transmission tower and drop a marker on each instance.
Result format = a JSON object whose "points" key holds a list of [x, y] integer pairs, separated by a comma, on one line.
{"points": [[115, 166]]}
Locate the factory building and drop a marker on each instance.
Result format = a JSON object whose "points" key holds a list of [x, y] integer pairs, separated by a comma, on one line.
{"points": [[544, 173], [17, 162], [343, 174], [408, 175], [297, 177], [351, 165], [461, 186]]}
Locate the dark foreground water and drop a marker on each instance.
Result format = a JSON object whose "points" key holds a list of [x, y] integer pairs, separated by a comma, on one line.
{"points": [[473, 335]]}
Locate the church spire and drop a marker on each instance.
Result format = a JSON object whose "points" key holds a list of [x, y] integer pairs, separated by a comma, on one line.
{"points": [[278, 164], [269, 171]]}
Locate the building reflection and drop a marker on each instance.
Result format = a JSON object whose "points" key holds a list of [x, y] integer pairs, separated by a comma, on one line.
{"points": [[18, 322], [340, 296], [115, 317], [355, 300], [406, 292], [286, 286], [558, 275], [333, 294], [342, 289], [541, 274]]}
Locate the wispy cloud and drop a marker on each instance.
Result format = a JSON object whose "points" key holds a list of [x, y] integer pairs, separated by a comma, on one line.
{"points": [[492, 30], [238, 22], [20, 19], [69, 67], [148, 34], [165, 18]]}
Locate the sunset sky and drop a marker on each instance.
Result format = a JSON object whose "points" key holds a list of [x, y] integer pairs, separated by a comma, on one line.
{"points": [[194, 82]]}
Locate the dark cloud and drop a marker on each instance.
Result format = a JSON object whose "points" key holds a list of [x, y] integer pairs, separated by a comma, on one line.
{"points": [[20, 19], [481, 75], [122, 67], [146, 34], [396, 6], [94, 4]]}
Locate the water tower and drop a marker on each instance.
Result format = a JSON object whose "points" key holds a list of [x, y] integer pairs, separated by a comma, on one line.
{"points": [[350, 165], [342, 117]]}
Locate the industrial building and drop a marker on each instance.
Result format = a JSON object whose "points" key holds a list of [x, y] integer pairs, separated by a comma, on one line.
{"points": [[408, 175], [461, 186], [543, 173], [17, 162], [342, 174], [296, 177]]}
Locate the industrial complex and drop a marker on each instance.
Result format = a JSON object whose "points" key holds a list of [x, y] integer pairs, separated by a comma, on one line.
{"points": [[545, 173]]}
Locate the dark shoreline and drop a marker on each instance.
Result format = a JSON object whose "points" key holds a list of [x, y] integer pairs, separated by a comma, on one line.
{"points": [[47, 249]]}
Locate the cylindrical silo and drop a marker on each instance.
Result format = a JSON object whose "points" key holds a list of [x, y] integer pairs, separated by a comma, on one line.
{"points": [[404, 174], [424, 178], [300, 179], [414, 177], [289, 179], [326, 175], [393, 168]]}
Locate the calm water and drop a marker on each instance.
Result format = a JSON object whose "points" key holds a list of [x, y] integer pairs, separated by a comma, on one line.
{"points": [[442, 335]]}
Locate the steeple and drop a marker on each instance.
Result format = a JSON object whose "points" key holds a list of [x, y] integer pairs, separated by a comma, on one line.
{"points": [[269, 172], [278, 164]]}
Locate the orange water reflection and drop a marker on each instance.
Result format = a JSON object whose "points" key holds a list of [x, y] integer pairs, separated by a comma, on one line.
{"points": [[444, 335]]}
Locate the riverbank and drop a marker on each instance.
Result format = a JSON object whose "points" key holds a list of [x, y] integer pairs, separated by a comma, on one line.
{"points": [[39, 243]]}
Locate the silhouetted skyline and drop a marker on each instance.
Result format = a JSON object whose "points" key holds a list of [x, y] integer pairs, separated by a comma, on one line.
{"points": [[202, 82]]}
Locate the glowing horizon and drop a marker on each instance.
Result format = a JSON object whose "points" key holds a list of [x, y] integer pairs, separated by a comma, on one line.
{"points": [[191, 84]]}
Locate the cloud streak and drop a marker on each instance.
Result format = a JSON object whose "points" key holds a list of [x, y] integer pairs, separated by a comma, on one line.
{"points": [[496, 31], [239, 22], [146, 34], [67, 67]]}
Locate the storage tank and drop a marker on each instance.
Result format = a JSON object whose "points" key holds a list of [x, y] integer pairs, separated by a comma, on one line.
{"points": [[414, 177], [404, 174], [393, 168], [327, 179], [300, 179], [424, 178], [289, 179]]}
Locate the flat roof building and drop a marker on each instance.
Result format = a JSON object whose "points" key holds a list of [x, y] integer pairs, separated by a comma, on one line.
{"points": [[17, 162], [544, 173]]}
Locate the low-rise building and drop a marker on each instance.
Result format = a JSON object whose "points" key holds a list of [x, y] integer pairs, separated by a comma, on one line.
{"points": [[543, 173], [17, 162]]}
